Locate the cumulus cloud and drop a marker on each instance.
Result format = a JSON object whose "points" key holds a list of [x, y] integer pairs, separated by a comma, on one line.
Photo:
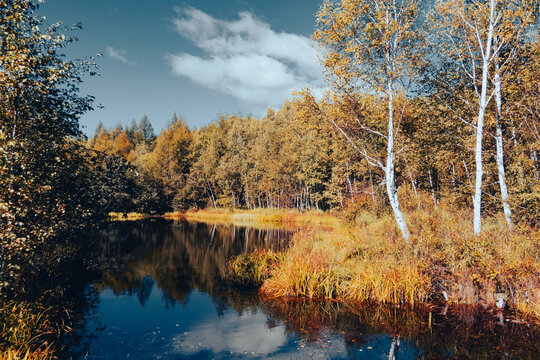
{"points": [[118, 54], [245, 58]]}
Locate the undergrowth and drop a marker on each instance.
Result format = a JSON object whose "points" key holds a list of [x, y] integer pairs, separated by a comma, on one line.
{"points": [[444, 261], [26, 331]]}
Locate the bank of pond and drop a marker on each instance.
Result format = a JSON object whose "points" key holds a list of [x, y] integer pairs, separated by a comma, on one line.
{"points": [[161, 288]]}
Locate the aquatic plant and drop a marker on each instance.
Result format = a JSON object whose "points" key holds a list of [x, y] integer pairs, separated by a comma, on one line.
{"points": [[254, 268]]}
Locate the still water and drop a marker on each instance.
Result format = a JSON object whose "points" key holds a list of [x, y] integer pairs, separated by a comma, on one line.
{"points": [[158, 295]]}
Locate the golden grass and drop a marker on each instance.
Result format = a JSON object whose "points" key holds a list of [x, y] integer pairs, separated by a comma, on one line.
{"points": [[24, 332], [254, 268], [11, 354], [370, 262], [132, 216], [283, 217], [253, 218]]}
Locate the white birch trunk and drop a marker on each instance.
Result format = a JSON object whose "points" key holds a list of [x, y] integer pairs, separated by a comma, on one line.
{"points": [[483, 102], [500, 150], [433, 195], [212, 197], [390, 155], [390, 171], [349, 180]]}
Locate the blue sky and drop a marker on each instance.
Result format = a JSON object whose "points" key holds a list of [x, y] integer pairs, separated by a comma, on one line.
{"points": [[196, 58]]}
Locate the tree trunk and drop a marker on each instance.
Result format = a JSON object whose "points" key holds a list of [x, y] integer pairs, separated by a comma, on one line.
{"points": [[349, 181], [477, 202], [390, 171], [413, 184], [246, 194], [431, 184], [212, 197], [500, 150], [477, 220], [534, 158]]}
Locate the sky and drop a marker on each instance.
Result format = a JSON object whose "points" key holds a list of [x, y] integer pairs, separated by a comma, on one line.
{"points": [[198, 58]]}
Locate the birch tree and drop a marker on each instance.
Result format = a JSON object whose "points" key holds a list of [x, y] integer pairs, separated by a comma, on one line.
{"points": [[372, 47], [509, 34], [471, 37]]}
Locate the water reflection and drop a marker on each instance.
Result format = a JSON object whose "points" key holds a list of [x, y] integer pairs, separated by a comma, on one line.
{"points": [[160, 296], [427, 333], [175, 256]]}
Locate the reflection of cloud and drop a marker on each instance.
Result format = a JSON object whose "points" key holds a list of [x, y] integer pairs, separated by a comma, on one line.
{"points": [[245, 58], [118, 54], [236, 333]]}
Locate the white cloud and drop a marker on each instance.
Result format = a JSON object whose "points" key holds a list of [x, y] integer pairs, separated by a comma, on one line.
{"points": [[118, 54], [245, 58]]}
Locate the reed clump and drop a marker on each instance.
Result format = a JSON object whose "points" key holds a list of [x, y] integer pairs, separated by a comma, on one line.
{"points": [[252, 269], [443, 262], [26, 331], [334, 265]]}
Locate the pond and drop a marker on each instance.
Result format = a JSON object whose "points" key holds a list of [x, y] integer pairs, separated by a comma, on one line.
{"points": [[158, 294]]}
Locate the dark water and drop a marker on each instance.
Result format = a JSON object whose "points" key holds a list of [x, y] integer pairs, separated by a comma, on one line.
{"points": [[158, 295]]}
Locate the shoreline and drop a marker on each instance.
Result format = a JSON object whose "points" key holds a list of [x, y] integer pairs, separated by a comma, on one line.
{"points": [[332, 260], [255, 218], [445, 263]]}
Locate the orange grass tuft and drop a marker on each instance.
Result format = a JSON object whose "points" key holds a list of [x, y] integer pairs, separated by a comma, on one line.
{"points": [[444, 259], [25, 331]]}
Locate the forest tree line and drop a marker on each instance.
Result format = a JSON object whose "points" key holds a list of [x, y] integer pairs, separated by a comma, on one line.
{"points": [[295, 158]]}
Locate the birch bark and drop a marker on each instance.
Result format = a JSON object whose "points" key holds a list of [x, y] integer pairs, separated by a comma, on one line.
{"points": [[483, 102], [500, 149]]}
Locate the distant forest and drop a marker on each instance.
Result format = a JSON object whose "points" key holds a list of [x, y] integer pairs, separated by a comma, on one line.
{"points": [[296, 158]]}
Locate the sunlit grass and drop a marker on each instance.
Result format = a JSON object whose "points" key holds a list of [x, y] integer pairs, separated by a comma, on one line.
{"points": [[274, 217], [132, 216], [254, 268], [444, 261], [25, 332]]}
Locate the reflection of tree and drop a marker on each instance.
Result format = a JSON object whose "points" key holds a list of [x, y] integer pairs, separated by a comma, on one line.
{"points": [[394, 348], [144, 291], [179, 256], [460, 333]]}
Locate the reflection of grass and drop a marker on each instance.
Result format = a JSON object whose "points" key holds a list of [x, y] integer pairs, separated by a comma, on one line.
{"points": [[459, 332], [369, 261]]}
